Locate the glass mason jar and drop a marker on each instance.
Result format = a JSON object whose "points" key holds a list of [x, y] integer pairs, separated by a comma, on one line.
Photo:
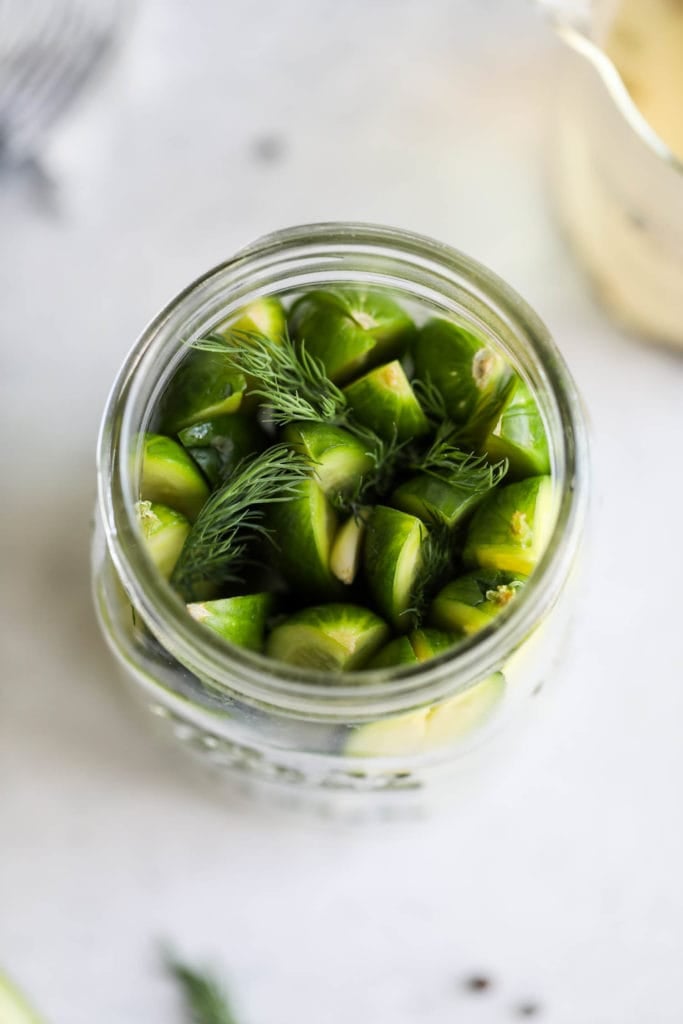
{"points": [[388, 729]]}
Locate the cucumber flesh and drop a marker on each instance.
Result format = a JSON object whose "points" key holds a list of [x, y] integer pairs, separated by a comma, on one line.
{"points": [[331, 637], [169, 476], [218, 445], [241, 620], [471, 602], [519, 436], [434, 500], [429, 728], [339, 458], [350, 329], [304, 529], [474, 380], [346, 549], [512, 527], [265, 316], [393, 557], [13, 1006], [384, 401], [164, 532]]}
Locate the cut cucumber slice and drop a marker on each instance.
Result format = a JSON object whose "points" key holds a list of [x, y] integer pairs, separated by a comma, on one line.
{"points": [[331, 637], [346, 550], [218, 445], [474, 380], [349, 329], [384, 401], [393, 557], [429, 728], [471, 602], [434, 500], [427, 643], [164, 532], [512, 527], [304, 530], [396, 652], [339, 458], [203, 387], [13, 1007], [241, 620], [170, 476], [519, 436], [265, 316]]}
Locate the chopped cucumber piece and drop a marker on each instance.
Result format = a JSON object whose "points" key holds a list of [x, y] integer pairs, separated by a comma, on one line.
{"points": [[346, 550], [241, 620], [265, 316], [331, 637], [349, 329], [434, 500], [339, 458], [511, 529], [427, 643], [13, 1007], [204, 386], [396, 652], [428, 728], [218, 445], [471, 602], [393, 555], [519, 436], [164, 532], [170, 476], [473, 380], [384, 401], [304, 530]]}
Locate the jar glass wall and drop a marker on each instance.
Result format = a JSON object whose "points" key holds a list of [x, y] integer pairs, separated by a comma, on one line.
{"points": [[392, 728]]}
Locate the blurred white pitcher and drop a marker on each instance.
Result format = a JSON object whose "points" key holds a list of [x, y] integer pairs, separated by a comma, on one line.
{"points": [[618, 163]]}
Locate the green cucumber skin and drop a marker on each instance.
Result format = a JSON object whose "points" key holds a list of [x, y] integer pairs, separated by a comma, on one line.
{"points": [[434, 500], [339, 458], [204, 386], [240, 620], [350, 329], [428, 643], [508, 531], [389, 533], [169, 476], [219, 444], [519, 436], [303, 534], [164, 532], [474, 381], [331, 637], [384, 401], [396, 652], [464, 604]]}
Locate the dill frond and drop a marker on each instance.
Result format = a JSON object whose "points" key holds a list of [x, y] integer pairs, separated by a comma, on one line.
{"points": [[205, 999], [216, 548]]}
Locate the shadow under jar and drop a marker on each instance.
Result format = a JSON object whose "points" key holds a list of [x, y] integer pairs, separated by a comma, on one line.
{"points": [[396, 728]]}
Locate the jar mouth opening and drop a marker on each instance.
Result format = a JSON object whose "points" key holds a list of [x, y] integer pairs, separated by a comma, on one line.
{"points": [[342, 253]]}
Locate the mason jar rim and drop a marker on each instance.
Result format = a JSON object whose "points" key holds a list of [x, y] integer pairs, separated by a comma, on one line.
{"points": [[382, 257]]}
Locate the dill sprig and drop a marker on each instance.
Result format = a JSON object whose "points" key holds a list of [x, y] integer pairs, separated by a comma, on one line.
{"points": [[205, 999], [374, 484], [459, 467], [216, 548], [432, 401], [291, 381], [437, 564]]}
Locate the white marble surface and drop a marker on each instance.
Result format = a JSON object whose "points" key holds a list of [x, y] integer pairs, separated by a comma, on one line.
{"points": [[563, 880]]}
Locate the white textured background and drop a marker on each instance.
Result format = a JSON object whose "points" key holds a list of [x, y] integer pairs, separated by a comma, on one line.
{"points": [[563, 880]]}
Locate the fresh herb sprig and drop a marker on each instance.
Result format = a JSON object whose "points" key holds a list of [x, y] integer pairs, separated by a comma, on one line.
{"points": [[216, 549], [437, 566], [205, 998], [460, 467], [292, 383], [432, 402]]}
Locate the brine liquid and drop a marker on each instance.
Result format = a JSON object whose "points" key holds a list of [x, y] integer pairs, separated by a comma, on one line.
{"points": [[645, 42]]}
